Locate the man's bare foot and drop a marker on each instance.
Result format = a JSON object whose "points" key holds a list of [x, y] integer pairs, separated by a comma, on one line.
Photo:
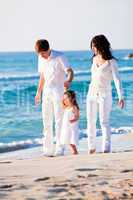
{"points": [[106, 151], [92, 151]]}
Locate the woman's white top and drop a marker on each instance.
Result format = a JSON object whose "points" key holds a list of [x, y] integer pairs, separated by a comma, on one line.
{"points": [[69, 131], [101, 78]]}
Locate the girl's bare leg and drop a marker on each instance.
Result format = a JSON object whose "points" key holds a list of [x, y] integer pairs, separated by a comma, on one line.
{"points": [[74, 149]]}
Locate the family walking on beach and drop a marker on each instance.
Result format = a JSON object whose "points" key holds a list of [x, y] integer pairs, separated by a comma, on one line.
{"points": [[59, 103]]}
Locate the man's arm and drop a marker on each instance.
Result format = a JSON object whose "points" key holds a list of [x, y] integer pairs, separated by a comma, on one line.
{"points": [[70, 76], [39, 89]]}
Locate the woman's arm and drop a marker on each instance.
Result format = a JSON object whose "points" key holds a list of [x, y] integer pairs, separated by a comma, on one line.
{"points": [[117, 82], [39, 89]]}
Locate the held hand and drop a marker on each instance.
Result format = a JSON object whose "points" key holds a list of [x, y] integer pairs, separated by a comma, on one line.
{"points": [[37, 99], [121, 103], [67, 84]]}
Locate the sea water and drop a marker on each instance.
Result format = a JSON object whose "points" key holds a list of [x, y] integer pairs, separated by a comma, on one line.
{"points": [[21, 121]]}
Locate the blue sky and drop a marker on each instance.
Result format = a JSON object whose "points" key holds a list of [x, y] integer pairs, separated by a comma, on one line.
{"points": [[67, 24]]}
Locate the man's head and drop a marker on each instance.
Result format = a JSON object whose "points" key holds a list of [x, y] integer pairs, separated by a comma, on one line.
{"points": [[42, 47]]}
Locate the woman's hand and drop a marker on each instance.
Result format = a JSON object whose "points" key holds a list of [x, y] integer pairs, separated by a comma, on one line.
{"points": [[37, 98], [121, 103]]}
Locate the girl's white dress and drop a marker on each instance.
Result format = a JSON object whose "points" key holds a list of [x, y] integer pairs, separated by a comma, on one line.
{"points": [[69, 131]]}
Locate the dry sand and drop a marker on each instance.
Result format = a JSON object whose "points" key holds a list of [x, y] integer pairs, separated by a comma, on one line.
{"points": [[88, 177]]}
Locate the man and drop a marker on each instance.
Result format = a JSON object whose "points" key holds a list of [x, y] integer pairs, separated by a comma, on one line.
{"points": [[52, 67]]}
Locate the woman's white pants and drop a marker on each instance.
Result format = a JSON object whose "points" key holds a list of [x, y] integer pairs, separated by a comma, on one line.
{"points": [[51, 111], [104, 105]]}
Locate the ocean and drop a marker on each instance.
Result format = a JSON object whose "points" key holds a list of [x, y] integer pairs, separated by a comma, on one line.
{"points": [[21, 121]]}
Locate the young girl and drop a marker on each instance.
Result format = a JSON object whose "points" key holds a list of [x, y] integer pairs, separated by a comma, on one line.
{"points": [[69, 130]]}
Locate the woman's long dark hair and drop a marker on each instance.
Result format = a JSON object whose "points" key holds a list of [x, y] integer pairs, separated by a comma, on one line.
{"points": [[71, 94], [103, 46]]}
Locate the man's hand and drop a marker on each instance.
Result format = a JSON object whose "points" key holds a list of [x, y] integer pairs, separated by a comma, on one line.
{"points": [[37, 99], [39, 89], [121, 103], [67, 84], [69, 78]]}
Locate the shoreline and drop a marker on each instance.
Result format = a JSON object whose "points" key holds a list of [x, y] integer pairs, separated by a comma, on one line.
{"points": [[120, 142]]}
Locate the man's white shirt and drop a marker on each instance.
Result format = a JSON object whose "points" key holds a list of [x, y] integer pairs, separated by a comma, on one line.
{"points": [[54, 69]]}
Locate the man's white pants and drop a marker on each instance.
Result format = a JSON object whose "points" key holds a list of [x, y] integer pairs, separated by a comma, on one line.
{"points": [[104, 104], [51, 111]]}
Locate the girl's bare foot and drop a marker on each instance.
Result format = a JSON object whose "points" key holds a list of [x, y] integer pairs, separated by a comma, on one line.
{"points": [[75, 152], [74, 149], [92, 151]]}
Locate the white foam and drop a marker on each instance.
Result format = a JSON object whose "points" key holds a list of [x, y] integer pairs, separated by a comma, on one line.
{"points": [[17, 145]]}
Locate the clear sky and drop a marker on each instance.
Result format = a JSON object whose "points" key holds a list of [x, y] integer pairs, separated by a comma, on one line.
{"points": [[67, 24]]}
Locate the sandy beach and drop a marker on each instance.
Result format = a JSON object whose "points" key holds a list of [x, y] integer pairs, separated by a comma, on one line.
{"points": [[89, 177]]}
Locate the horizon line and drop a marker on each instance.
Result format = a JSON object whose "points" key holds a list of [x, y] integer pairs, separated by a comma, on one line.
{"points": [[28, 51]]}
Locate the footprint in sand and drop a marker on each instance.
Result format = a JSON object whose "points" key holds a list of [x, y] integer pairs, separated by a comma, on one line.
{"points": [[88, 176], [42, 179], [60, 185], [57, 190], [127, 170], [87, 169], [92, 175], [81, 176], [6, 186], [21, 187], [103, 183], [5, 162]]}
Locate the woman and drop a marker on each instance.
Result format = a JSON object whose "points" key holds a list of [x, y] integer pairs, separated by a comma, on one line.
{"points": [[104, 70]]}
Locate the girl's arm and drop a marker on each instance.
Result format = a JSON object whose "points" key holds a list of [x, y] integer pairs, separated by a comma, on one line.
{"points": [[76, 114]]}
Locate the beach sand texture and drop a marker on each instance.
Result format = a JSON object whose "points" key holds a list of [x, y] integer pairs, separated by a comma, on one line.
{"points": [[87, 177]]}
